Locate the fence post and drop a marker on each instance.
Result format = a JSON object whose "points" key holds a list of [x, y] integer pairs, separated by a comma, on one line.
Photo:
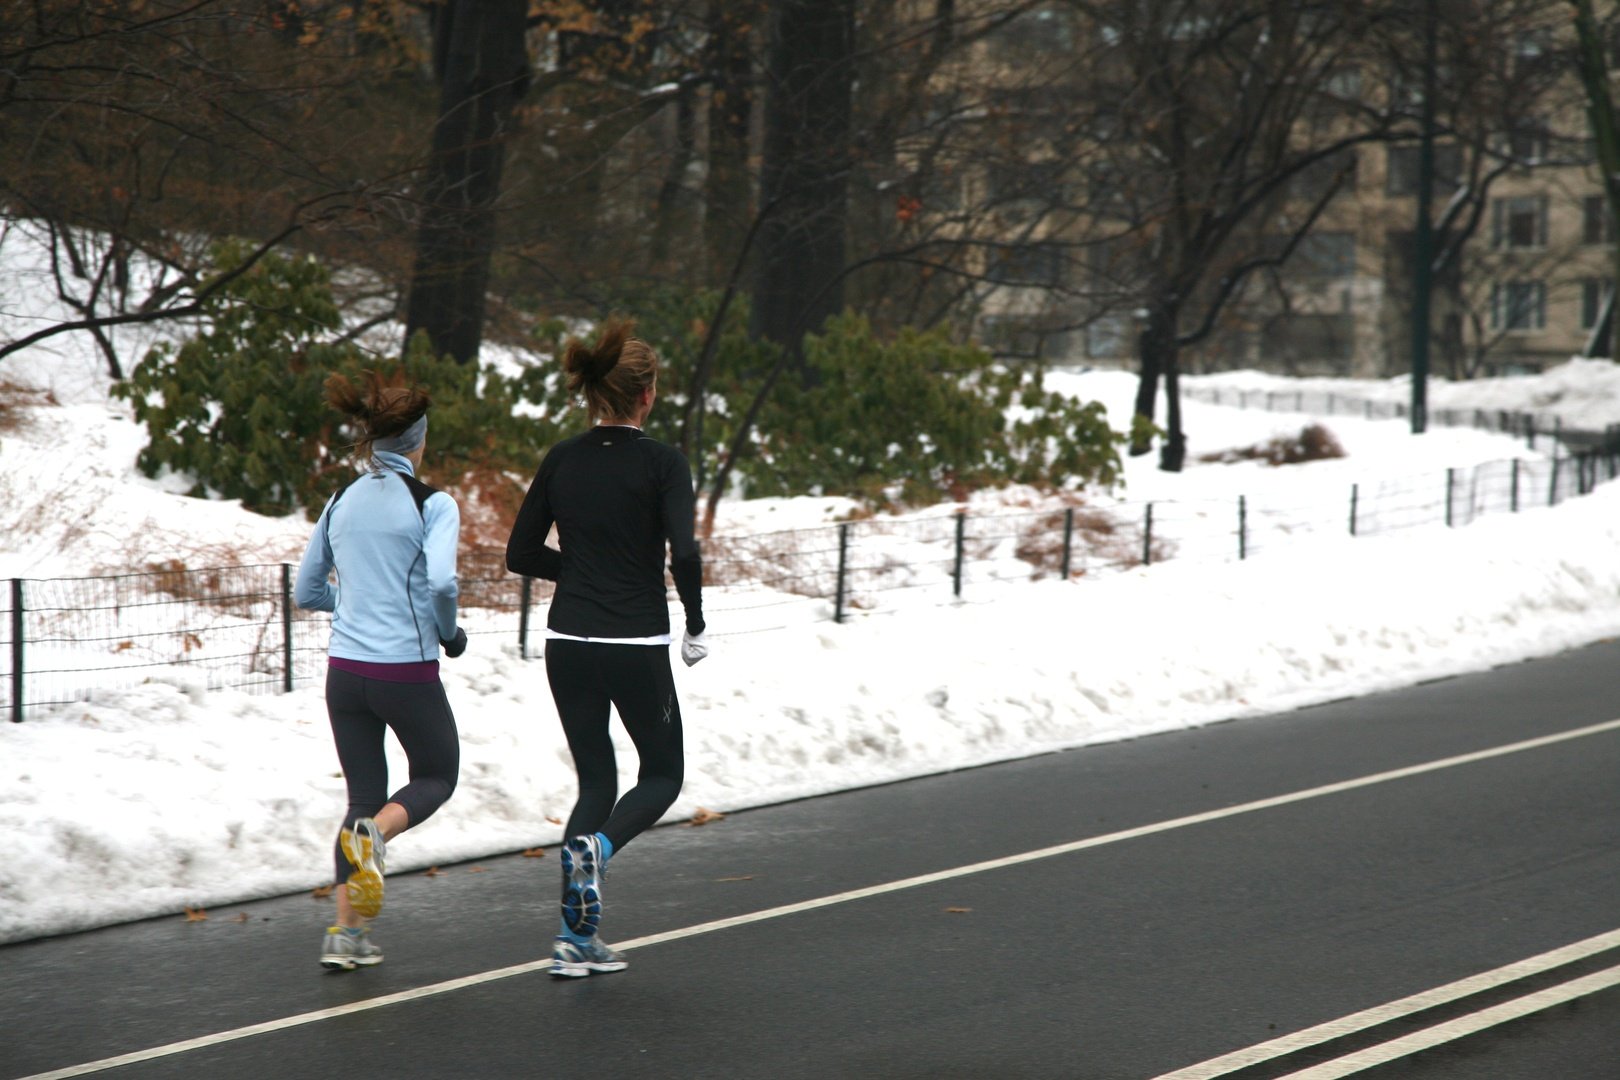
{"points": [[16, 650], [956, 571], [843, 560], [1068, 536], [1530, 430], [1513, 496], [1355, 494], [286, 629], [1243, 528], [1552, 485], [526, 597], [1451, 484], [1147, 537]]}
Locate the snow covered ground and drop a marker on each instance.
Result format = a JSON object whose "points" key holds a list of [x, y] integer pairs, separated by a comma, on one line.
{"points": [[166, 794]]}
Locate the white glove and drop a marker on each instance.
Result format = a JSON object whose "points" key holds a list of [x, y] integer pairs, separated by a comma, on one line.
{"points": [[694, 647]]}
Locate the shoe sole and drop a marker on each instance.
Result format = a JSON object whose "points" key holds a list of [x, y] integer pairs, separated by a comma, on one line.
{"points": [[580, 970], [365, 885], [582, 898], [349, 963]]}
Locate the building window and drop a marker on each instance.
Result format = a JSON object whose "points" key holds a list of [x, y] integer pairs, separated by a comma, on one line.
{"points": [[1109, 338], [1519, 222], [1528, 142], [1324, 255], [1597, 220], [1402, 168], [1043, 29], [1037, 265], [1315, 180], [1300, 338], [1594, 294], [1038, 183], [1519, 305]]}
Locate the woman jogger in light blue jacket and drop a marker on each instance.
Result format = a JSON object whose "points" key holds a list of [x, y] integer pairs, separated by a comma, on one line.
{"points": [[392, 541]]}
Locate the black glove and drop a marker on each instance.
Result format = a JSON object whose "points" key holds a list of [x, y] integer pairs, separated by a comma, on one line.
{"points": [[456, 645]]}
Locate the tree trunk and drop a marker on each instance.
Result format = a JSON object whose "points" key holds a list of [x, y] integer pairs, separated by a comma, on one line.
{"points": [[674, 200], [1173, 453], [1149, 347], [1600, 113], [728, 187], [809, 89], [483, 66]]}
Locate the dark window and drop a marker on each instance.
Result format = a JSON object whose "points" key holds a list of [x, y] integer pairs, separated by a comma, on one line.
{"points": [[1402, 178], [1519, 222], [1324, 255], [1040, 30], [1110, 338], [1519, 305], [1027, 264], [1597, 220], [1594, 291], [1313, 181], [1527, 144], [1300, 337], [1035, 182]]}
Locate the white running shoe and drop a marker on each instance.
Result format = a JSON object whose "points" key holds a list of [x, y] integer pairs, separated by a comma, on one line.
{"points": [[343, 951], [577, 959]]}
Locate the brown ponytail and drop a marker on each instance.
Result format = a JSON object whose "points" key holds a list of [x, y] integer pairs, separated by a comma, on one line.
{"points": [[613, 373], [378, 408]]}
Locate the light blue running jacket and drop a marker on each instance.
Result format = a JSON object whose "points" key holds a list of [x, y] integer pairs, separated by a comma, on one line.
{"points": [[395, 597]]}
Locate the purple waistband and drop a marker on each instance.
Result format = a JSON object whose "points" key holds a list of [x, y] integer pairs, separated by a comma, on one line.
{"points": [[421, 671]]}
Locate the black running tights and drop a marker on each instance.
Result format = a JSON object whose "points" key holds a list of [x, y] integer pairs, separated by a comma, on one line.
{"points": [[361, 710], [585, 677]]}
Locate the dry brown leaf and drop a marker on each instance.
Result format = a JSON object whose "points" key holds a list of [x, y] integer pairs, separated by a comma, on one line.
{"points": [[321, 892], [555, 820], [476, 870], [241, 916], [534, 853], [958, 910], [195, 914], [702, 816], [739, 877], [432, 871]]}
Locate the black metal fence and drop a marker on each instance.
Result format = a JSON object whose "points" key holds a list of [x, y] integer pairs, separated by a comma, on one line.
{"points": [[66, 639], [1530, 426]]}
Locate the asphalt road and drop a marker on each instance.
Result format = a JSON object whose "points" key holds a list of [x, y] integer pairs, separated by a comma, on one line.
{"points": [[1139, 915]]}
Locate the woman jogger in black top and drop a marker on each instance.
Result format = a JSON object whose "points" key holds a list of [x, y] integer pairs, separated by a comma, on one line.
{"points": [[617, 498]]}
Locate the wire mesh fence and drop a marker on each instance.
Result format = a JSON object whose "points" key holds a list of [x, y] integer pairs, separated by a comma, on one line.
{"points": [[1545, 428], [65, 639]]}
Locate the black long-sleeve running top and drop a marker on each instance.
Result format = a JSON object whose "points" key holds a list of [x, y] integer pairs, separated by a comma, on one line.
{"points": [[616, 497]]}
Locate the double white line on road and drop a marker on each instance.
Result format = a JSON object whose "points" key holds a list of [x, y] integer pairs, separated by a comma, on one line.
{"points": [[1456, 1028], [451, 985]]}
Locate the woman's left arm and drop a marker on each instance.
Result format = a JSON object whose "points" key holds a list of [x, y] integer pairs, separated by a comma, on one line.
{"points": [[442, 518]]}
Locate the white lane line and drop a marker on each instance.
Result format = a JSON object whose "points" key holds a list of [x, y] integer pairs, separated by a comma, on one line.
{"points": [[479, 979], [1461, 1026], [1394, 1010]]}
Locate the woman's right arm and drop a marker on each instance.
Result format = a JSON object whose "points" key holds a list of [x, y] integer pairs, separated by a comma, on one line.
{"points": [[313, 590], [526, 550]]}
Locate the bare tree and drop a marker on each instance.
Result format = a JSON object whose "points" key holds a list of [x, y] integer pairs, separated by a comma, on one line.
{"points": [[136, 131]]}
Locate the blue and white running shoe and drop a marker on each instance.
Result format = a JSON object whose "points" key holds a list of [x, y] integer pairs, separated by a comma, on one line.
{"points": [[577, 959], [583, 869]]}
